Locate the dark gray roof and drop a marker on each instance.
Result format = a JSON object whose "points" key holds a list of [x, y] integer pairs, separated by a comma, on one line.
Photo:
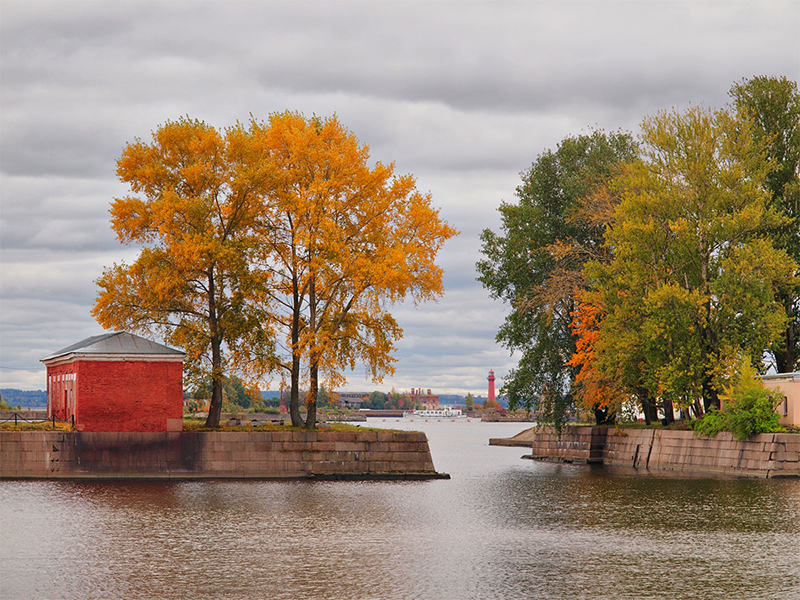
{"points": [[119, 342]]}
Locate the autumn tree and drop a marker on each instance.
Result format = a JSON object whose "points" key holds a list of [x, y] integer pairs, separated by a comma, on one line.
{"points": [[694, 277], [772, 105], [342, 241], [535, 263], [196, 195], [597, 392]]}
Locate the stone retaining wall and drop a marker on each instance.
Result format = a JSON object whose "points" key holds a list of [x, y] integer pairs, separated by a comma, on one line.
{"points": [[23, 415], [196, 455], [763, 455]]}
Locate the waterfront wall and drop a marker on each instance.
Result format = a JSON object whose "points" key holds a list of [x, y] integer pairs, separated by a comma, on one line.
{"points": [[197, 455], [762, 455]]}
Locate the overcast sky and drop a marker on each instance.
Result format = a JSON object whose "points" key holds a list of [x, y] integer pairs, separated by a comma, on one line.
{"points": [[464, 95]]}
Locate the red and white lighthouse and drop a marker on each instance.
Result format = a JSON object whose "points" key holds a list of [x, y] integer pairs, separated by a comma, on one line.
{"points": [[491, 385]]}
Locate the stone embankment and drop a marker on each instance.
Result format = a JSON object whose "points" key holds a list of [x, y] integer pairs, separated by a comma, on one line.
{"points": [[509, 417], [762, 455], [208, 455]]}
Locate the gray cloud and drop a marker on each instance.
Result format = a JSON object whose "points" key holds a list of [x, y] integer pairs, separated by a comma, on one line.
{"points": [[464, 95]]}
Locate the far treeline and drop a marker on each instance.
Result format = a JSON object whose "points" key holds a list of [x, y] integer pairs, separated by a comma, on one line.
{"points": [[655, 273], [11, 398], [238, 397], [269, 247]]}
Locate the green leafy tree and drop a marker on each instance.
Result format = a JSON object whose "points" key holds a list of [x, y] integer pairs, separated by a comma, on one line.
{"points": [[469, 401], [693, 280], [535, 264], [394, 399], [377, 400], [238, 392], [773, 106], [235, 392], [324, 398]]}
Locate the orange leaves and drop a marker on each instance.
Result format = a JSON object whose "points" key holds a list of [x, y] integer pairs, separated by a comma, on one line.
{"points": [[270, 233], [191, 176], [196, 193], [592, 388], [343, 239]]}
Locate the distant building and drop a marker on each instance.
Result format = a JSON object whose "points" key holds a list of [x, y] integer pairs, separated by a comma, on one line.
{"points": [[491, 385], [426, 401], [789, 384], [350, 400], [116, 382]]}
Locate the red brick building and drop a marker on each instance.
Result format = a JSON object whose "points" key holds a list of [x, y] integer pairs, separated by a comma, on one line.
{"points": [[116, 382], [426, 401]]}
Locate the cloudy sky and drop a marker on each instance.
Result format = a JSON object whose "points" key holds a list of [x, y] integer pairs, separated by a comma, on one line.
{"points": [[464, 95]]}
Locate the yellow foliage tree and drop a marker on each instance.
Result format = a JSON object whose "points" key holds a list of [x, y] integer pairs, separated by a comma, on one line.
{"points": [[340, 242], [269, 246], [196, 196]]}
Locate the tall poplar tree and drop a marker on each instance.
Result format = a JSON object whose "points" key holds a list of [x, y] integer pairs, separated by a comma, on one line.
{"points": [[341, 242], [693, 282], [772, 105]]}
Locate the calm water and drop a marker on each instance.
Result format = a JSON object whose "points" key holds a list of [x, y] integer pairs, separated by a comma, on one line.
{"points": [[501, 528]]}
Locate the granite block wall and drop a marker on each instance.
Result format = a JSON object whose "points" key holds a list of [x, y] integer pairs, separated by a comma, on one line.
{"points": [[196, 455], [763, 455]]}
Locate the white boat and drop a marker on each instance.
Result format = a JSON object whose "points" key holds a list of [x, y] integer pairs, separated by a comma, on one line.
{"points": [[441, 413]]}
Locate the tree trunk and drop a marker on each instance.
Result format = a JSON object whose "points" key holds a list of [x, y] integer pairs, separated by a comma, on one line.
{"points": [[313, 358], [697, 409], [215, 408], [786, 357], [602, 416], [669, 412], [648, 407], [708, 347], [311, 401], [294, 394], [710, 397]]}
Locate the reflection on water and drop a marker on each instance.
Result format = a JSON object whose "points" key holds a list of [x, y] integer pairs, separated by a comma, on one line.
{"points": [[501, 528]]}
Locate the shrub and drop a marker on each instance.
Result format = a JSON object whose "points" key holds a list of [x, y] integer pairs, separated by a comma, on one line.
{"points": [[749, 408], [712, 423], [754, 412]]}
